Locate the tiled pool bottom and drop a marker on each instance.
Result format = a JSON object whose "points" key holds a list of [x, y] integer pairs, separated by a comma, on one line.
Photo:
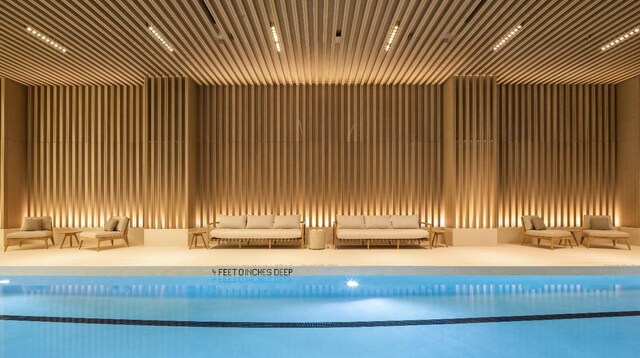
{"points": [[320, 316]]}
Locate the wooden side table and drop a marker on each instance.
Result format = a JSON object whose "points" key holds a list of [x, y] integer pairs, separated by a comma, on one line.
{"points": [[71, 234], [195, 234], [434, 233]]}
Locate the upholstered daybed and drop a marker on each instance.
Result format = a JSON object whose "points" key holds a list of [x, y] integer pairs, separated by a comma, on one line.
{"points": [[116, 228], [533, 227], [33, 228], [600, 227], [379, 229], [258, 228]]}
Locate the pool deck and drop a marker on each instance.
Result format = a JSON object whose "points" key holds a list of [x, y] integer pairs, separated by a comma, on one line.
{"points": [[145, 260]]}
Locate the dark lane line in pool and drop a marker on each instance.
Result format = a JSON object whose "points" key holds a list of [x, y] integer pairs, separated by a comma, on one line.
{"points": [[355, 324]]}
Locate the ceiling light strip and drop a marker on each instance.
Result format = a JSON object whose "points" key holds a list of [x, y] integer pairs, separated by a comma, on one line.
{"points": [[509, 36], [160, 39], [620, 39], [276, 39], [49, 41], [392, 37]]}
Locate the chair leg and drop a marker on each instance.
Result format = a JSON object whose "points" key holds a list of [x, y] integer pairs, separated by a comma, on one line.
{"points": [[628, 244], [126, 241], [46, 243], [80, 244], [398, 244], [551, 243], [368, 242], [569, 241], [111, 242], [614, 243], [524, 238], [98, 246]]}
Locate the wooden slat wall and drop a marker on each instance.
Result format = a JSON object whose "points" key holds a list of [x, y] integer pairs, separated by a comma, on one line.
{"points": [[473, 153], [2, 153], [167, 169], [320, 150], [86, 153], [558, 152]]}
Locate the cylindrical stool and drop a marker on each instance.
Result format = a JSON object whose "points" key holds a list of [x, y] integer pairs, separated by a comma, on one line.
{"points": [[316, 239]]}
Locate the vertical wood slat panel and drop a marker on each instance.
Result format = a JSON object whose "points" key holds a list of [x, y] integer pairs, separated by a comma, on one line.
{"points": [[84, 154], [320, 150], [167, 202], [558, 152], [2, 153], [475, 149]]}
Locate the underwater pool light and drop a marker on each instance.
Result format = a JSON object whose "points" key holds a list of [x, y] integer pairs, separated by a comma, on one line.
{"points": [[5, 282], [352, 283]]}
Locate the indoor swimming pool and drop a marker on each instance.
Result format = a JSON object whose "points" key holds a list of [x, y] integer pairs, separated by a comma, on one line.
{"points": [[319, 316]]}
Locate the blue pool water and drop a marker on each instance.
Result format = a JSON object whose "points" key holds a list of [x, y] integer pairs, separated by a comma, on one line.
{"points": [[320, 316]]}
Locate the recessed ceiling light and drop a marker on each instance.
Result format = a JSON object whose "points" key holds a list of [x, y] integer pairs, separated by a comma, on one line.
{"points": [[46, 39], [618, 40], [509, 36], [392, 36], [276, 39], [159, 38]]}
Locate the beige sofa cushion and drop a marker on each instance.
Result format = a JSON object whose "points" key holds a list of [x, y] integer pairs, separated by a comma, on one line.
{"points": [[350, 221], [586, 220], [100, 234], [232, 221], [29, 234], [527, 222], [538, 223], [286, 222], [605, 233], [256, 233], [111, 225], [405, 221], [260, 222], [377, 221], [548, 233], [32, 224], [391, 234], [601, 223], [123, 222]]}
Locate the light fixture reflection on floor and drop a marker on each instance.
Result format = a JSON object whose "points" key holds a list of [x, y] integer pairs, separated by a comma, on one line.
{"points": [[352, 283]]}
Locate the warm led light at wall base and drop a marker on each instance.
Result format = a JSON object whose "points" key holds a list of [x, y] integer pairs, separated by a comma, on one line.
{"points": [[160, 38], [47, 40], [392, 37], [620, 39], [276, 38], [508, 37]]}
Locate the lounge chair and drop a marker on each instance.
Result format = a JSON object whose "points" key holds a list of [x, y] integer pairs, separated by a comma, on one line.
{"points": [[33, 228], [117, 228], [533, 227], [600, 227]]}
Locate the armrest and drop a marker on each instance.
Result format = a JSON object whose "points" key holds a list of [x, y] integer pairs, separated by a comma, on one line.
{"points": [[213, 225]]}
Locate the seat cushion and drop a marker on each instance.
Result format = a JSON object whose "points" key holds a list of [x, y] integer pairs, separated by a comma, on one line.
{"points": [[32, 224], [548, 233], [29, 234], [391, 234], [232, 221], [377, 221], [405, 221], [100, 234], [260, 222], [256, 233], [286, 222], [605, 233], [350, 221]]}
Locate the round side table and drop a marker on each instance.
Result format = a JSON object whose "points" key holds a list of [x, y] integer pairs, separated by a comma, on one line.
{"points": [[71, 234], [316, 239]]}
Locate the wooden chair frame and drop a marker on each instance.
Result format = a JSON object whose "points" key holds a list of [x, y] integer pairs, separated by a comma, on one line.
{"points": [[8, 241], [551, 239], [124, 236]]}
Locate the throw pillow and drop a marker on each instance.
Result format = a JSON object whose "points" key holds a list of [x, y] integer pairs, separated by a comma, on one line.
{"points": [[538, 223], [111, 225], [31, 224], [601, 223]]}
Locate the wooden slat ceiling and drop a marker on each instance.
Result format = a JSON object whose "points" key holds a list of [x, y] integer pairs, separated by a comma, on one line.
{"points": [[229, 41]]}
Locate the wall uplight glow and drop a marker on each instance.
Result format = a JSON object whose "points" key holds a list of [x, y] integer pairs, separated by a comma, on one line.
{"points": [[508, 37], [620, 39], [160, 38], [47, 40]]}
